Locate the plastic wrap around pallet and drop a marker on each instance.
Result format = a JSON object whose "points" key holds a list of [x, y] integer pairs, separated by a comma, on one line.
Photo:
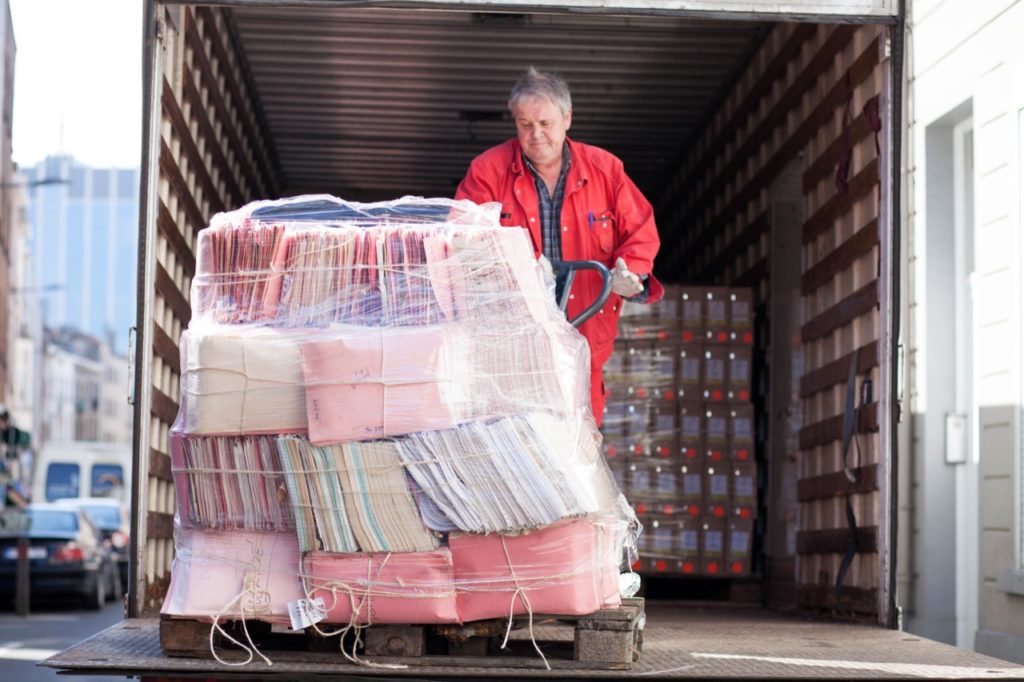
{"points": [[312, 261], [382, 406]]}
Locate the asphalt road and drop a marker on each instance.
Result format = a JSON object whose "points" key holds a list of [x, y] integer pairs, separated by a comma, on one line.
{"points": [[49, 629]]}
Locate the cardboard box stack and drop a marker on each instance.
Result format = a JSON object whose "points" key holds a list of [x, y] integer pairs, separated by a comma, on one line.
{"points": [[679, 429]]}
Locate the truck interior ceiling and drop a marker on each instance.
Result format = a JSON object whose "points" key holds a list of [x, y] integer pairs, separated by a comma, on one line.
{"points": [[764, 147]]}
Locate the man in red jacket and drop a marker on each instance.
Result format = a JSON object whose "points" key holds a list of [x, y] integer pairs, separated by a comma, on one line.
{"points": [[577, 203]]}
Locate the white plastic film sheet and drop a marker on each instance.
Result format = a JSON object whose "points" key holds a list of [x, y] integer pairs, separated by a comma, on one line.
{"points": [[385, 393]]}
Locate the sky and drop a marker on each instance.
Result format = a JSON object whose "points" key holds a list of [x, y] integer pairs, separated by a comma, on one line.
{"points": [[78, 81]]}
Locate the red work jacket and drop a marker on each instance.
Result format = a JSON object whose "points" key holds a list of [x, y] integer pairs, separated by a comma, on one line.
{"points": [[604, 217]]}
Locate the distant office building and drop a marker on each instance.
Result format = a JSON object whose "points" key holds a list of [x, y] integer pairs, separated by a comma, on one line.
{"points": [[83, 244]]}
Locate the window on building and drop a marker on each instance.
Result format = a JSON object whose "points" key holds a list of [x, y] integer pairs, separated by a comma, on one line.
{"points": [[127, 184], [77, 187], [101, 184]]}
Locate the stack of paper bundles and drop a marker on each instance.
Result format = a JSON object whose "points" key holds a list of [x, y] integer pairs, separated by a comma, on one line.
{"points": [[381, 382]]}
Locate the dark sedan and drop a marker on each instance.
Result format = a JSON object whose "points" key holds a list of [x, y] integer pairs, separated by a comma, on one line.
{"points": [[66, 554]]}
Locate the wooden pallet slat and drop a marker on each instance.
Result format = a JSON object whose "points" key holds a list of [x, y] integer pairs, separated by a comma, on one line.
{"points": [[609, 639]]}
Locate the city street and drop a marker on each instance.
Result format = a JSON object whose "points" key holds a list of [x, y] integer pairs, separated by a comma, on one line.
{"points": [[49, 629]]}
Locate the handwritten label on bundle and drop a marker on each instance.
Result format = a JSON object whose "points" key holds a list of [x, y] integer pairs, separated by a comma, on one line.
{"points": [[305, 612]]}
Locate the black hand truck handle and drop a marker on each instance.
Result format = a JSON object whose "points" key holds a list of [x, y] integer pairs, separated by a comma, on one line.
{"points": [[565, 273]]}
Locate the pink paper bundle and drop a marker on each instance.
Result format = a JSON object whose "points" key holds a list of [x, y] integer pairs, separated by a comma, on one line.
{"points": [[569, 568], [399, 587], [374, 383], [234, 575]]}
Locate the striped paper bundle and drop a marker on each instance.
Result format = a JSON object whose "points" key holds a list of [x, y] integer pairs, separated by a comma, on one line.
{"points": [[352, 496], [230, 482]]}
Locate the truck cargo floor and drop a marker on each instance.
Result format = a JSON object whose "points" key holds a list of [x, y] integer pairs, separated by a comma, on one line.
{"points": [[680, 641]]}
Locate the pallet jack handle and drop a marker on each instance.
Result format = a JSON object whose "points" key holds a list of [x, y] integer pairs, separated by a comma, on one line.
{"points": [[565, 274]]}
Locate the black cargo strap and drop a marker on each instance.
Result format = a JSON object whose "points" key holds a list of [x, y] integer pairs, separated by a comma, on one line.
{"points": [[849, 428]]}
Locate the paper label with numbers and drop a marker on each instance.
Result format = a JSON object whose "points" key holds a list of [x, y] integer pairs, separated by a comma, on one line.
{"points": [[305, 612]]}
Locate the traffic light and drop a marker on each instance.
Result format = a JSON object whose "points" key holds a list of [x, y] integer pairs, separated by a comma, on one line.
{"points": [[13, 437]]}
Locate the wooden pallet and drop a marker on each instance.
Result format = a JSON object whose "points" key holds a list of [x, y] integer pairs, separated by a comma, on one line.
{"points": [[610, 639]]}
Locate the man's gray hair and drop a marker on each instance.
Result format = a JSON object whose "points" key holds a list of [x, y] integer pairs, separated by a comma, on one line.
{"points": [[536, 83]]}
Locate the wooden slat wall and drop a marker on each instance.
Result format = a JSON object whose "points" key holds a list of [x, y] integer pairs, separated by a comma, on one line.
{"points": [[840, 287], [790, 103], [211, 158]]}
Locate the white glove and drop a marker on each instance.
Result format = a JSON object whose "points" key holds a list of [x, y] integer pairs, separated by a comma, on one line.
{"points": [[625, 283]]}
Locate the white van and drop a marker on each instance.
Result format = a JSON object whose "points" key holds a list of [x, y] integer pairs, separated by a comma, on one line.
{"points": [[82, 469]]}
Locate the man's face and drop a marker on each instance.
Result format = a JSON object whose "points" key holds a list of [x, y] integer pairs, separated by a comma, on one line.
{"points": [[541, 129]]}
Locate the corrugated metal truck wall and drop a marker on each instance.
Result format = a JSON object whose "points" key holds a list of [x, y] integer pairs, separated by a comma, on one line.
{"points": [[210, 157], [805, 97]]}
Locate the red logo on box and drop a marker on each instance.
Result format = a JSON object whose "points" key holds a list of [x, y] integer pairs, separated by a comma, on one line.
{"points": [[687, 567], [713, 567], [660, 565], [742, 454], [737, 567], [687, 336]]}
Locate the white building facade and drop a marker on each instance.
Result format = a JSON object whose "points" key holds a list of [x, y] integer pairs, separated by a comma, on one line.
{"points": [[962, 512], [85, 395]]}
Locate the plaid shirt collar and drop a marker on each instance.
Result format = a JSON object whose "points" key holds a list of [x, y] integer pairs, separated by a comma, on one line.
{"points": [[550, 206]]}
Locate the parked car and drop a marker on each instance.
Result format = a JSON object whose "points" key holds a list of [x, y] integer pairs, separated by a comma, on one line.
{"points": [[66, 554], [110, 517]]}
